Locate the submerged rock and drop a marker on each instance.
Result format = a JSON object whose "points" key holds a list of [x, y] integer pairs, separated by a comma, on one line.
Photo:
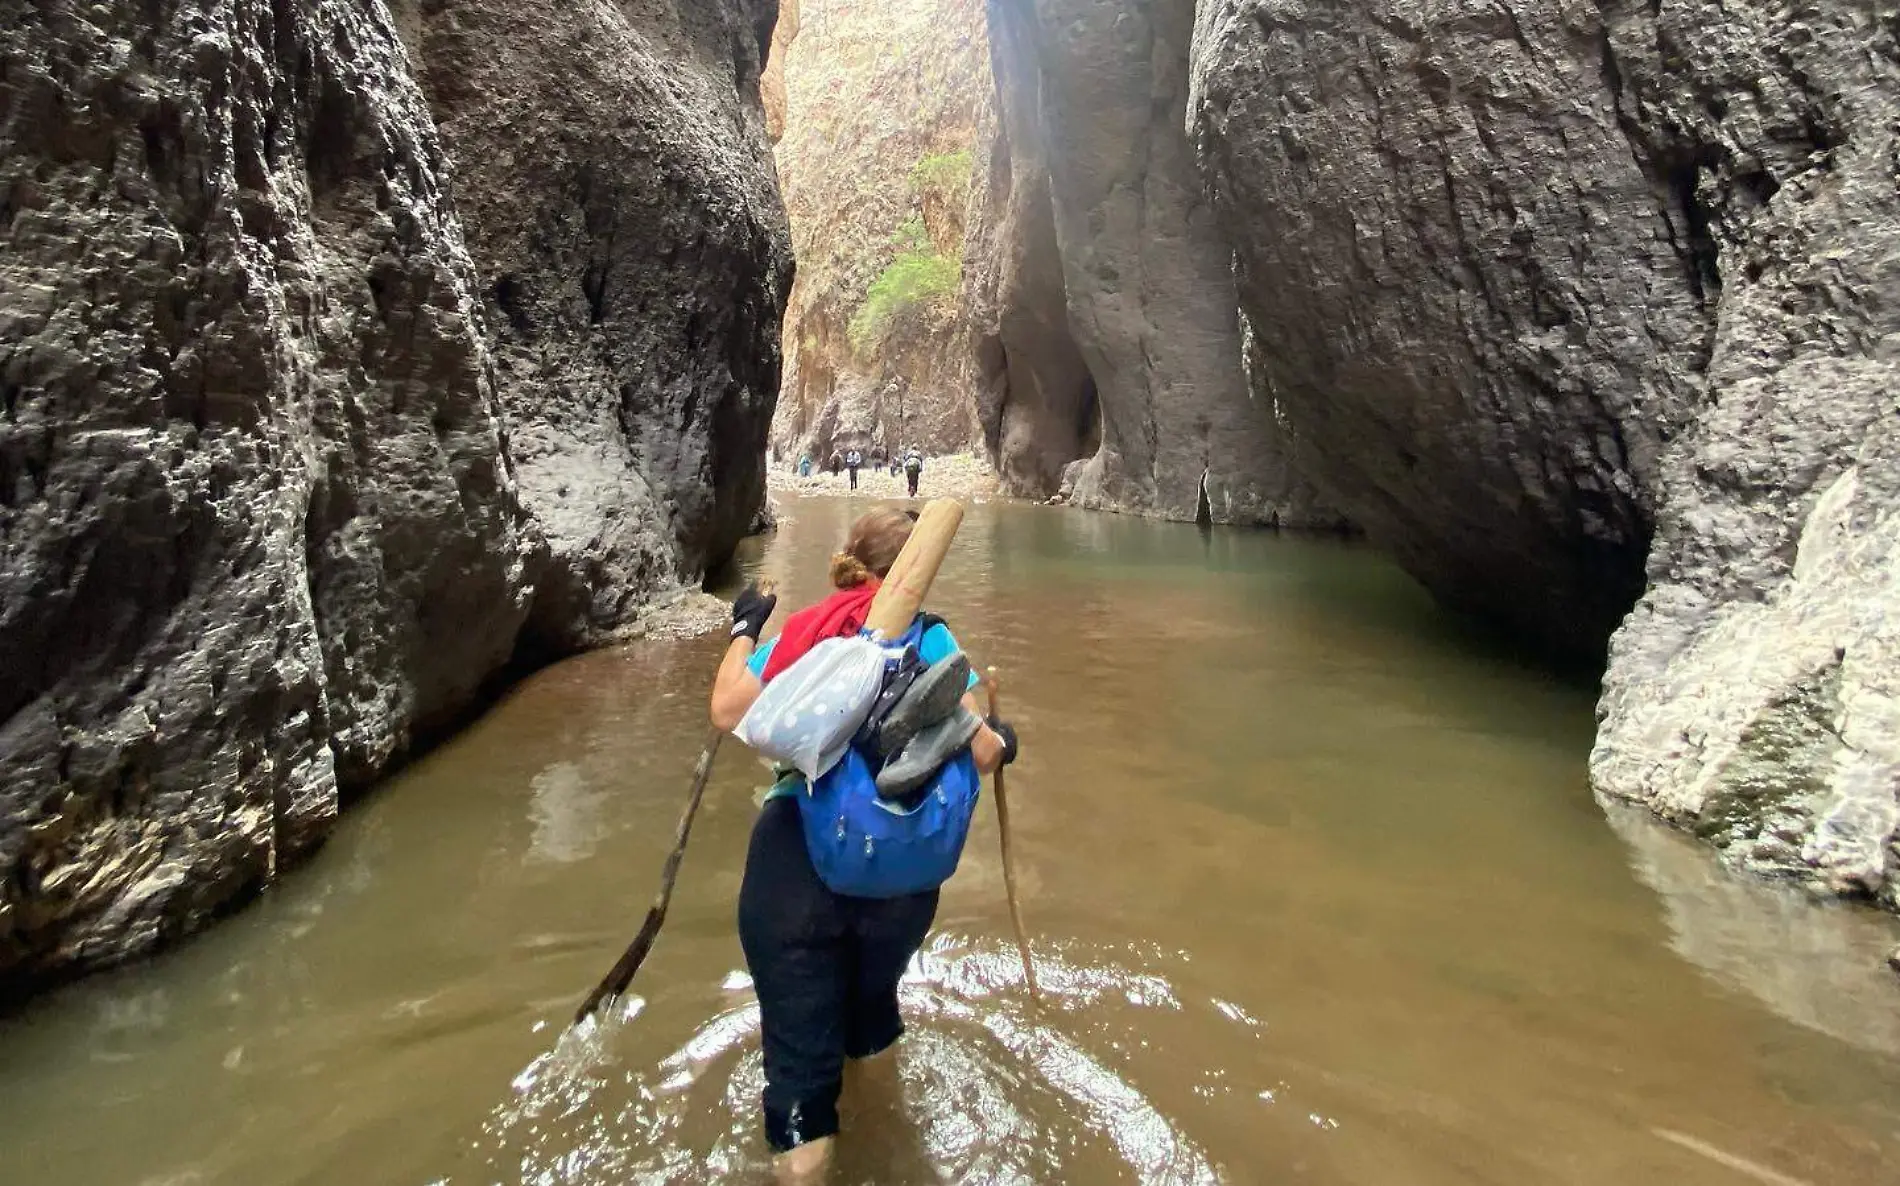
{"points": [[277, 496]]}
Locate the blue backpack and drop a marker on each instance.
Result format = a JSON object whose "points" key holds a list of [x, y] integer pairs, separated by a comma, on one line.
{"points": [[865, 846]]}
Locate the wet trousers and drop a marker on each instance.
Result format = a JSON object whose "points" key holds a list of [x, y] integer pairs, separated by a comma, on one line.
{"points": [[826, 968]]}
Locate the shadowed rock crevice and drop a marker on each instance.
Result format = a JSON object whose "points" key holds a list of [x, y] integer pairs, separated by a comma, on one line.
{"points": [[1104, 299]]}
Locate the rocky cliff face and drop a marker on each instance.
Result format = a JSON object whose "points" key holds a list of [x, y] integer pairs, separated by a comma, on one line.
{"points": [[1754, 694], [284, 469], [881, 110], [1542, 284], [625, 223], [1483, 310], [1105, 299]]}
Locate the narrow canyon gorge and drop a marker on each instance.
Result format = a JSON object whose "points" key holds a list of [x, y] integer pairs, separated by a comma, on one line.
{"points": [[356, 356]]}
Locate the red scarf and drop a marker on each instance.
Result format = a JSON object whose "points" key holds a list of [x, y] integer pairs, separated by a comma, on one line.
{"points": [[840, 615]]}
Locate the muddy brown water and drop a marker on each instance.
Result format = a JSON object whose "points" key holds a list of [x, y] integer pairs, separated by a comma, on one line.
{"points": [[1317, 890]]}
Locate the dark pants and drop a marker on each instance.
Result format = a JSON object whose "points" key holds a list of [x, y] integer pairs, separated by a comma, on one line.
{"points": [[913, 476], [826, 969], [854, 477]]}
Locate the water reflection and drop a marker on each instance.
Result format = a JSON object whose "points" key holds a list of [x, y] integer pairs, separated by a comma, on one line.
{"points": [[567, 815], [1821, 966]]}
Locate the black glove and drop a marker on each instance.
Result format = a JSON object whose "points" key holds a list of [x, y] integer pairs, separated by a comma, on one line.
{"points": [[1007, 732], [750, 610]]}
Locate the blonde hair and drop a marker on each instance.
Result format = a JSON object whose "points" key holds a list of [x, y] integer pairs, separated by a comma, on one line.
{"points": [[871, 547]]}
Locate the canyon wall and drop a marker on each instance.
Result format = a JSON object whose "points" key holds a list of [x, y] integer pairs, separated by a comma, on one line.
{"points": [[626, 226], [1109, 340], [881, 102], [323, 392], [1581, 303]]}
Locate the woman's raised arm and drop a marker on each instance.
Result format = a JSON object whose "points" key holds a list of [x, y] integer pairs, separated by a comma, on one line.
{"points": [[735, 687]]}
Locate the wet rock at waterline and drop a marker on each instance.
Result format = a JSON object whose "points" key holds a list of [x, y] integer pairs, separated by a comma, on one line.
{"points": [[618, 198], [1538, 284], [1482, 306], [1754, 694], [1105, 302], [268, 429]]}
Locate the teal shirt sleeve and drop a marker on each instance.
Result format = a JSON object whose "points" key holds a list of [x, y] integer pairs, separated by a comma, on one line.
{"points": [[760, 656], [939, 644]]}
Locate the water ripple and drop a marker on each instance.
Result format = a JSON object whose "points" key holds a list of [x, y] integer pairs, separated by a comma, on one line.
{"points": [[993, 1088]]}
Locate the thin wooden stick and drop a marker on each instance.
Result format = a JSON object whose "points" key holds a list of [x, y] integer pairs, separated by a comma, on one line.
{"points": [[621, 975], [1009, 865]]}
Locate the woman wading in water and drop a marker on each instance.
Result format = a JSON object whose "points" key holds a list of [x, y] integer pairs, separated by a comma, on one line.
{"points": [[826, 964]]}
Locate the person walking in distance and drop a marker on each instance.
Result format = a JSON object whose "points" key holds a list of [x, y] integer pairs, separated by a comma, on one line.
{"points": [[852, 460], [826, 963], [913, 469]]}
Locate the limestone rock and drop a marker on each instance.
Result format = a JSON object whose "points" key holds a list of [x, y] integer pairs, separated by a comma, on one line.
{"points": [[617, 192], [1539, 284], [772, 82], [1754, 694], [1109, 315], [1481, 308], [881, 120], [260, 523]]}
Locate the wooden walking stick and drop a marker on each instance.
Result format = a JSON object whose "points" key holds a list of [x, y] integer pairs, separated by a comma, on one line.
{"points": [[896, 603], [1009, 865], [621, 974]]}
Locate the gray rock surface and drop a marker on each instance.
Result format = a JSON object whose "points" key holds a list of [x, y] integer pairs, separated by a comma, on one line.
{"points": [[1539, 283], [1484, 311], [1108, 313], [618, 196], [1754, 694], [260, 528]]}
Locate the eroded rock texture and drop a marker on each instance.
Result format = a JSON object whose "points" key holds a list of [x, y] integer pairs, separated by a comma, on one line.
{"points": [[1539, 283], [1108, 314], [882, 102], [259, 525], [1481, 306], [618, 198], [1754, 694]]}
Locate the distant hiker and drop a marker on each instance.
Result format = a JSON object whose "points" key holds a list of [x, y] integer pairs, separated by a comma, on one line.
{"points": [[825, 964], [804, 465], [852, 460], [913, 469], [836, 463]]}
